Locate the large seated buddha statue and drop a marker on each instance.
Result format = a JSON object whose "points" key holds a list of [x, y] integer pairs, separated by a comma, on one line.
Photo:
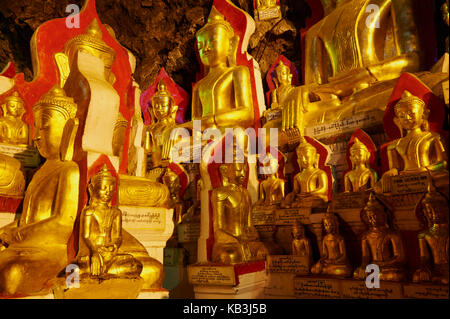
{"points": [[354, 51], [223, 98], [35, 247]]}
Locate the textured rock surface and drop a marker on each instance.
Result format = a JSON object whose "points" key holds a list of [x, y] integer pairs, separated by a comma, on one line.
{"points": [[160, 33]]}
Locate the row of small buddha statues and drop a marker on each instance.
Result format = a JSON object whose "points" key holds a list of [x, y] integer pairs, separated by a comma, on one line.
{"points": [[382, 244]]}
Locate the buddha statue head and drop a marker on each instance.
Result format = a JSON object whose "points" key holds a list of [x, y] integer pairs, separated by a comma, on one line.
{"points": [[307, 156], [298, 230], [52, 112], [444, 11], [102, 186], [270, 165], [330, 222], [13, 106], [434, 207], [411, 113], [374, 214], [163, 104], [216, 41], [283, 74], [359, 154], [91, 42]]}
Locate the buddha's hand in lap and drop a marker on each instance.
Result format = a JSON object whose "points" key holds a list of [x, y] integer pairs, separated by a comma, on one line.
{"points": [[96, 265]]}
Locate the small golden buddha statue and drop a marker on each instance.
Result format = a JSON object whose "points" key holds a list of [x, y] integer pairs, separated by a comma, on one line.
{"points": [[333, 260], [101, 233], [157, 135], [35, 247], [172, 181], [233, 229], [361, 177], [271, 189], [381, 245], [288, 98], [434, 241], [12, 129], [301, 245], [223, 98], [420, 149], [311, 182]]}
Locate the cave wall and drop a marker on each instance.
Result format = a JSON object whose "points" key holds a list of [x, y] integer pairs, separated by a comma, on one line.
{"points": [[160, 33]]}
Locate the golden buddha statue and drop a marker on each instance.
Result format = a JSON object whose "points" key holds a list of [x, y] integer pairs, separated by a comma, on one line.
{"points": [[420, 149], [288, 98], [271, 189], [361, 177], [333, 260], [434, 241], [381, 245], [379, 49], [235, 238], [156, 137], [100, 251], [35, 247], [311, 182], [172, 181], [301, 245], [223, 98], [12, 129]]}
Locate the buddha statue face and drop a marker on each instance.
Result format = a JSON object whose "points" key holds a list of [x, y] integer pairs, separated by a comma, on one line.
{"points": [[235, 173], [270, 165], [162, 102], [359, 154], [298, 231], [375, 217], [51, 114], [103, 186], [14, 106], [49, 126], [214, 46], [172, 181], [214, 40], [410, 112], [306, 157], [435, 208], [284, 76], [330, 225]]}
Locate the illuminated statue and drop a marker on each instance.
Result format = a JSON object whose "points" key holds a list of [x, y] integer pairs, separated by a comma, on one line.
{"points": [[434, 241], [12, 129], [234, 235], [361, 177], [157, 135], [301, 245], [381, 245], [271, 189], [36, 245], [12, 178], [288, 98], [420, 149], [101, 233], [333, 260], [311, 181], [223, 98]]}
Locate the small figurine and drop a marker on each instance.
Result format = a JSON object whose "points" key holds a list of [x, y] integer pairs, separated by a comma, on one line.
{"points": [[13, 130], [311, 181], [333, 260], [381, 245], [271, 189], [361, 177], [157, 135], [101, 232], [434, 241], [301, 245]]}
